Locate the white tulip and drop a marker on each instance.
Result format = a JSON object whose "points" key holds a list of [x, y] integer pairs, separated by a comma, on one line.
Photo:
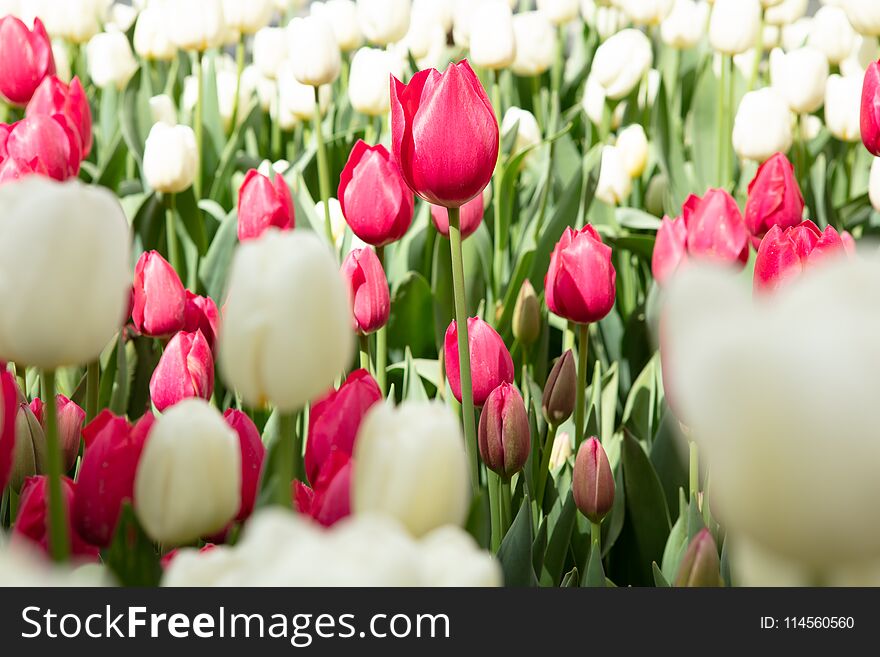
{"points": [[800, 77], [111, 61], [831, 33], [452, 558], [162, 109], [312, 51], [795, 35], [633, 146], [874, 184], [684, 26], [593, 104], [810, 126], [384, 21], [227, 85], [437, 12], [188, 478], [558, 11], [614, 183], [865, 51], [771, 37], [338, 225], [296, 101], [152, 37], [343, 18], [368, 84], [23, 563], [621, 62], [864, 15], [843, 97], [762, 125], [461, 19], [425, 41], [196, 24], [65, 278], [562, 450], [270, 50], [61, 55], [605, 20], [247, 17], [410, 463], [120, 17], [170, 158], [786, 12], [528, 133], [799, 443], [492, 41], [535, 43], [645, 12], [72, 20], [734, 25], [287, 326], [767, 3]]}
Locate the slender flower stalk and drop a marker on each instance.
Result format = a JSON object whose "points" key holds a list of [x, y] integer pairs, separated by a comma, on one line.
{"points": [[693, 469], [198, 128], [288, 465], [323, 167], [498, 259], [59, 540], [93, 376], [239, 69], [381, 338], [171, 232], [580, 404], [364, 344]]}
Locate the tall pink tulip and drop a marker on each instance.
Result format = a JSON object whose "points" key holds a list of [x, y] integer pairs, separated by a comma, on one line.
{"points": [[592, 482], [870, 112], [444, 134], [263, 203], [504, 435], [158, 299], [201, 314], [784, 254], [43, 143], [376, 203], [470, 218], [25, 59], [670, 248], [8, 411], [186, 369], [253, 453], [55, 97], [368, 290], [491, 364], [774, 199], [580, 282]]}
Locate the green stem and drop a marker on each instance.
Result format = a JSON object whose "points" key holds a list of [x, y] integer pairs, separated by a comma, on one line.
{"points": [[199, 128], [537, 107], [171, 234], [13, 506], [759, 54], [723, 138], [21, 376], [93, 377], [370, 131], [504, 499], [596, 535], [464, 358], [275, 136], [172, 77], [239, 61], [693, 469], [494, 511], [364, 343], [580, 408], [498, 260], [381, 338], [288, 465], [59, 542], [323, 167], [544, 472]]}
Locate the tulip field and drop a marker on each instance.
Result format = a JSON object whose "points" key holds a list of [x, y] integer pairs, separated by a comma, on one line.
{"points": [[518, 293]]}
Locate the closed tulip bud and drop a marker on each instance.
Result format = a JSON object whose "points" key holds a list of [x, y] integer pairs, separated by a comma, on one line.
{"points": [[247, 17], [8, 416], [270, 50], [700, 566], [683, 27], [196, 24], [560, 391], [580, 282], [162, 109], [491, 364], [762, 125], [30, 457], [784, 254], [384, 21], [655, 195], [864, 16], [158, 297], [874, 184], [492, 43], [368, 290], [188, 481], [152, 33], [312, 51], [870, 109], [774, 198], [528, 133], [335, 419], [343, 18], [170, 158], [201, 314], [558, 11], [80, 275], [535, 41], [592, 482], [734, 25], [831, 32], [842, 107], [504, 436], [621, 62], [410, 464], [645, 12], [185, 369], [375, 200], [469, 218], [785, 12], [526, 323], [561, 451], [443, 171], [49, 144], [368, 88], [287, 310], [614, 183], [25, 59], [111, 61], [32, 521], [54, 97], [633, 146], [70, 424], [253, 453], [263, 203], [716, 231], [800, 77], [106, 476]]}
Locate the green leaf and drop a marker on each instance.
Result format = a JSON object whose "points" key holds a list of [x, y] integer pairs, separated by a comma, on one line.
{"points": [[571, 579], [131, 557], [557, 546], [659, 580], [635, 219], [412, 310], [119, 394], [413, 390], [515, 553], [214, 267], [188, 212], [594, 577], [477, 523]]}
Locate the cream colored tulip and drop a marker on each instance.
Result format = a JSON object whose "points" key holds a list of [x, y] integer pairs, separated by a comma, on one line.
{"points": [[762, 125], [800, 77], [831, 32], [312, 51], [492, 40], [196, 24], [343, 18], [384, 21], [249, 16], [111, 62], [633, 145], [535, 43], [621, 62], [734, 25], [368, 83], [170, 158], [152, 38], [614, 183], [843, 95]]}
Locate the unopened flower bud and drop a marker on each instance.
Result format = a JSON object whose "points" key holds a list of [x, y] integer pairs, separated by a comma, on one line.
{"points": [[560, 390], [29, 456], [504, 436], [527, 315], [592, 482], [700, 566]]}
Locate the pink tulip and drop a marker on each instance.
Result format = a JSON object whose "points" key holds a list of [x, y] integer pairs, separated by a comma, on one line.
{"points": [[70, 424], [25, 59], [715, 228], [670, 248], [784, 254], [54, 97], [444, 134], [32, 521], [504, 437], [491, 364], [329, 500], [8, 411], [368, 290], [774, 199], [580, 282], [870, 112], [263, 203], [42, 143], [592, 482], [469, 219], [159, 300], [253, 453], [201, 314], [186, 369]]}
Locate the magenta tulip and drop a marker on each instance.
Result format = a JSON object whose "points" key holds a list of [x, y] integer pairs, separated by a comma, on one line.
{"points": [[201, 314], [368, 290], [329, 500], [870, 112], [32, 521], [263, 203], [716, 229], [670, 248], [491, 364], [25, 59], [469, 220], [186, 369], [159, 300], [784, 254], [774, 199], [253, 453], [504, 434], [71, 418], [592, 483], [8, 411], [54, 97], [580, 282], [42, 143]]}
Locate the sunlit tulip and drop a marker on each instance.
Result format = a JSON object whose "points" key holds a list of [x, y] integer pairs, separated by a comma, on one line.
{"points": [[170, 158], [425, 40], [196, 24], [343, 18], [592, 482], [492, 41], [75, 21], [800, 77], [186, 369], [446, 163], [831, 32], [410, 464], [774, 198], [371, 71], [528, 133], [158, 297], [621, 62], [263, 203], [869, 118], [491, 363], [470, 217], [8, 408], [864, 16], [785, 12], [111, 61], [785, 254], [162, 109], [734, 25], [247, 17], [633, 146], [188, 480], [383, 21], [152, 33], [70, 423], [535, 41], [645, 12], [270, 50], [504, 433], [607, 21], [72, 286], [685, 25], [368, 290], [253, 453], [614, 184], [296, 101], [580, 282], [25, 59], [287, 310], [558, 11], [762, 125], [843, 96], [312, 51], [49, 145], [55, 97]]}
